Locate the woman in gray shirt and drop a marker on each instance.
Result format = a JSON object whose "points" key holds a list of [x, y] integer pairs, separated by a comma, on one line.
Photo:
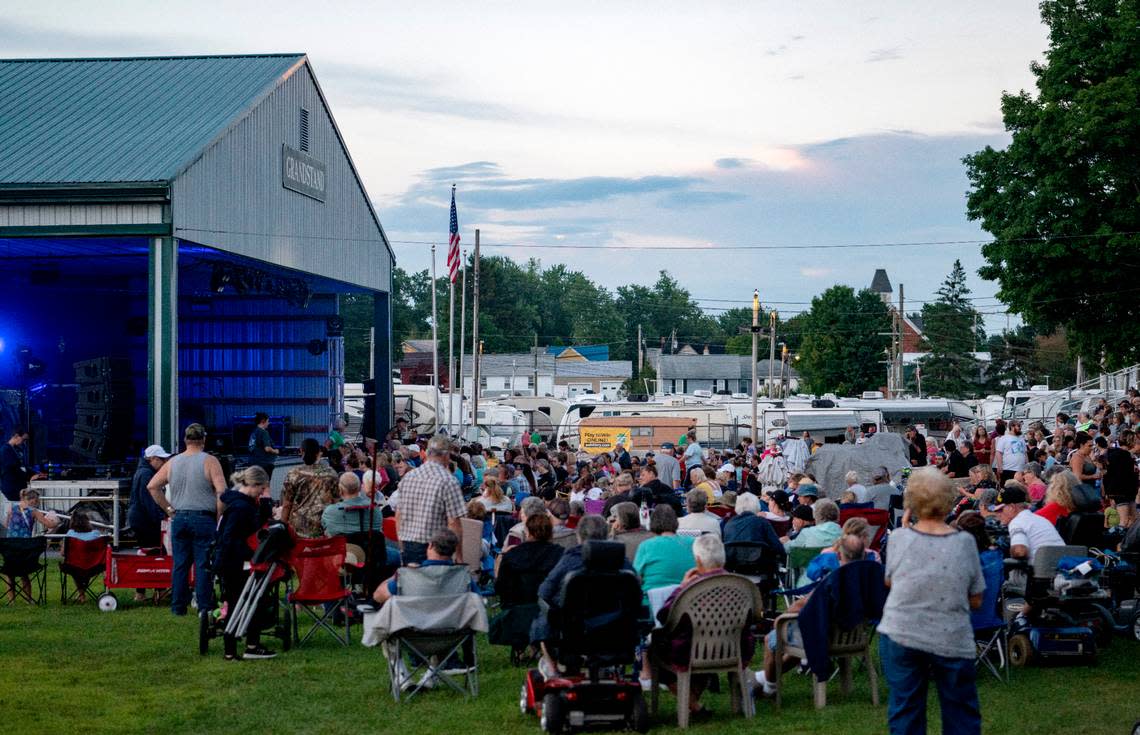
{"points": [[925, 634]]}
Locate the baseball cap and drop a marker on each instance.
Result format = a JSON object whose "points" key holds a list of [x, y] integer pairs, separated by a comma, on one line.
{"points": [[155, 450], [1009, 495], [667, 445], [780, 497], [803, 512], [807, 488]]}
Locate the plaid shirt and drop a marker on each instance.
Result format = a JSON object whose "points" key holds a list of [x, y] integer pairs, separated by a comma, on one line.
{"points": [[429, 497]]}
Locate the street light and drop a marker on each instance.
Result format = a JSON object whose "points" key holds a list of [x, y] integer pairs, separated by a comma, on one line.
{"points": [[755, 348]]}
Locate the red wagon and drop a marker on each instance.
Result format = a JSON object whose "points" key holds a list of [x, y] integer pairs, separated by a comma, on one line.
{"points": [[152, 570]]}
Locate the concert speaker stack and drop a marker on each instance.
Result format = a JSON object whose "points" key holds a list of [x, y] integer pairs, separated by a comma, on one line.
{"points": [[104, 409]]}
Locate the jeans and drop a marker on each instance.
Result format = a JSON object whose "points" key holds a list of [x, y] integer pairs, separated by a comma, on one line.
{"points": [[908, 671], [413, 553], [191, 536]]}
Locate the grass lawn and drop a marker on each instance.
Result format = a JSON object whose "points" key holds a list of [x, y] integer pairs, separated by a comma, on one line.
{"points": [[138, 670]]}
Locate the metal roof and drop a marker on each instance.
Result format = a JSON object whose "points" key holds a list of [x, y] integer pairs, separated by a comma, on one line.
{"points": [[105, 120], [593, 369], [718, 367], [880, 283]]}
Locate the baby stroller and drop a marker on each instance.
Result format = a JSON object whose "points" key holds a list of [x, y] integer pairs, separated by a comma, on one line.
{"points": [[268, 568], [1059, 613], [594, 634]]}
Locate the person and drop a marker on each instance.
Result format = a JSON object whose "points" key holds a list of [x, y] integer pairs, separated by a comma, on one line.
{"points": [[493, 498], [934, 578], [663, 561], [653, 492], [698, 480], [823, 532], [261, 450], [335, 438], [880, 491], [848, 548], [14, 472], [622, 493], [1010, 452], [400, 433], [1121, 482], [916, 447], [442, 550], [308, 489], [80, 527], [590, 528], [350, 515], [430, 500], [621, 457], [1028, 531], [529, 507], [1081, 460], [673, 651], [779, 507], [802, 517], [522, 567], [21, 523], [960, 458], [851, 480], [144, 515], [196, 485], [1058, 497], [748, 526], [1031, 478], [693, 455], [625, 526], [668, 469], [562, 535], [240, 520], [807, 493], [982, 445], [699, 519]]}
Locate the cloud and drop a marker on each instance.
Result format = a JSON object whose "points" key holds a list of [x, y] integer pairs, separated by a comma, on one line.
{"points": [[730, 163], [885, 54], [816, 272], [776, 50], [795, 77], [34, 40]]}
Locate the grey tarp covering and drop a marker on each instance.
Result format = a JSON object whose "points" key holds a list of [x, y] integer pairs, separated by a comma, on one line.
{"points": [[831, 462], [450, 613]]}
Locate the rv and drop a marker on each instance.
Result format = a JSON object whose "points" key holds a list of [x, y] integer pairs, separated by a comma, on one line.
{"points": [[826, 425], [718, 424], [933, 416]]}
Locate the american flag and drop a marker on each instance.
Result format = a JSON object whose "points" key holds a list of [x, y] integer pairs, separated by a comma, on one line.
{"points": [[453, 242]]}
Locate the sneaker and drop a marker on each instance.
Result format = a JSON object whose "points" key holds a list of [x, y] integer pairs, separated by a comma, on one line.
{"points": [[763, 686], [546, 669], [457, 671], [259, 652], [427, 681]]}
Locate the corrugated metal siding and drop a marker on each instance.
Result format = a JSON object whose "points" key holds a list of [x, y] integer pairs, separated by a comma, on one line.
{"points": [[232, 198], [229, 366], [116, 120], [45, 215]]}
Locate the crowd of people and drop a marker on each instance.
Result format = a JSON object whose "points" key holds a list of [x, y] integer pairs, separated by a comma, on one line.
{"points": [[682, 513]]}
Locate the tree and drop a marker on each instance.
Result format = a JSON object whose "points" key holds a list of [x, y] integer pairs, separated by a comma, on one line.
{"points": [[663, 309], [1013, 361], [950, 328], [843, 342], [1062, 200]]}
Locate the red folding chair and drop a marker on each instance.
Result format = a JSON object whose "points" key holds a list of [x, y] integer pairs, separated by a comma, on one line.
{"points": [[390, 529], [321, 590], [83, 562], [877, 520]]}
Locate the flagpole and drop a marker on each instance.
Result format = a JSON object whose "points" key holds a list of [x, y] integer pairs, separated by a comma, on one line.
{"points": [[451, 358], [434, 342], [476, 353], [462, 330]]}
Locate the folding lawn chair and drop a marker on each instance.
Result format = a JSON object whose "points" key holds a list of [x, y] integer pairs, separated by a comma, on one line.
{"points": [[24, 557], [877, 519], [798, 560], [321, 590], [990, 631], [83, 562]]}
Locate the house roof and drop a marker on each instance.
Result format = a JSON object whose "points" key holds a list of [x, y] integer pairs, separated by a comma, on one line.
{"points": [[519, 364], [590, 352], [880, 283], [594, 369], [716, 367], [418, 345], [117, 120]]}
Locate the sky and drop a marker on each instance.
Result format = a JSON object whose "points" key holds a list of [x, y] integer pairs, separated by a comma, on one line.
{"points": [[602, 134]]}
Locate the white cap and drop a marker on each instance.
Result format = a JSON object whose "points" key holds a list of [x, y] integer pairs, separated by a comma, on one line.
{"points": [[155, 450]]}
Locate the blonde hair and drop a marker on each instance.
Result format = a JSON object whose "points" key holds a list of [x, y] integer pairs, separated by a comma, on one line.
{"points": [[252, 476], [930, 494], [1060, 489], [492, 490], [624, 480], [857, 527], [848, 497], [984, 470]]}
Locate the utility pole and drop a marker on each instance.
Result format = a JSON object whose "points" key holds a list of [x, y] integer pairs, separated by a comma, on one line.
{"points": [[536, 364], [434, 342], [771, 350], [784, 371], [755, 349], [900, 381], [476, 345], [640, 364]]}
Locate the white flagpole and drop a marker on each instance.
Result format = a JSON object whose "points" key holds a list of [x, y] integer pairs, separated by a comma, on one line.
{"points": [[462, 330], [451, 356], [434, 342]]}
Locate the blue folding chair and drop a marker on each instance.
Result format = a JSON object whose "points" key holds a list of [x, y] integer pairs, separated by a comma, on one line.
{"points": [[990, 631]]}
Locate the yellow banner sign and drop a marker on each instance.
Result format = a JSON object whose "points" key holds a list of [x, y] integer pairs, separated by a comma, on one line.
{"points": [[598, 439]]}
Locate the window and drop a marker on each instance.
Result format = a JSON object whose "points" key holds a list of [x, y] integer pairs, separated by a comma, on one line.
{"points": [[304, 130], [642, 431], [530, 382], [483, 382]]}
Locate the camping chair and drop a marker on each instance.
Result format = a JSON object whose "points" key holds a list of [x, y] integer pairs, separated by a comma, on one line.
{"points": [[877, 520], [798, 559], [83, 561], [472, 544], [719, 609], [320, 587], [430, 632], [990, 631], [389, 526], [24, 557], [502, 523], [843, 645], [594, 507]]}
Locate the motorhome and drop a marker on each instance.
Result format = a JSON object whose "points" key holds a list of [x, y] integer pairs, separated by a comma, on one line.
{"points": [[543, 413], [718, 424], [824, 424], [933, 416]]}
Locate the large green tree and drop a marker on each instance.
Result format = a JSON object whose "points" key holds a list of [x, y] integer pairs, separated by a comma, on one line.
{"points": [[952, 331], [1062, 200], [843, 342]]}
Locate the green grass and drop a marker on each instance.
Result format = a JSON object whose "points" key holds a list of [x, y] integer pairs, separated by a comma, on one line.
{"points": [[72, 668]]}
